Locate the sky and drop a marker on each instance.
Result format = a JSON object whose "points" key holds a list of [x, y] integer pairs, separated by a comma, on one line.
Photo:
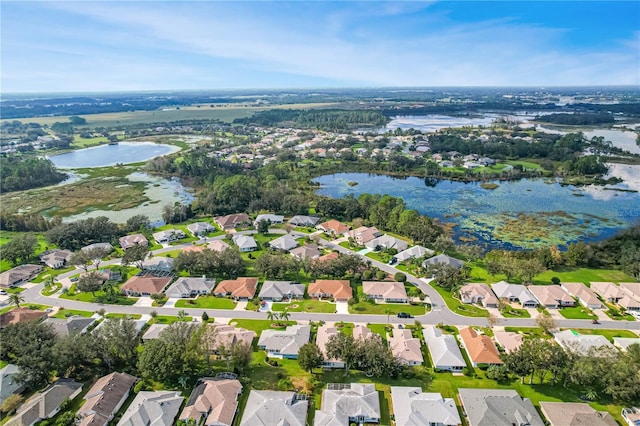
{"points": [[88, 46]]}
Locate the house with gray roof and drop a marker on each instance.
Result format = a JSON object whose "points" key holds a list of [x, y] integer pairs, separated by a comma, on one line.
{"points": [[158, 263], [575, 414], [272, 218], [624, 342], [153, 332], [18, 275], [279, 290], [275, 408], [199, 229], [387, 242], [70, 326], [515, 293], [129, 241], [347, 403], [300, 220], [245, 243], [105, 398], [55, 258], [415, 252], [307, 251], [412, 407], [284, 343], [157, 408], [103, 246], [45, 404], [498, 407], [284, 243], [163, 237], [444, 349], [185, 287], [581, 343], [8, 383], [443, 259]]}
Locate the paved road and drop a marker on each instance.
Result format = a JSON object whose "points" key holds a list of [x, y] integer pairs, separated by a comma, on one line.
{"points": [[440, 313]]}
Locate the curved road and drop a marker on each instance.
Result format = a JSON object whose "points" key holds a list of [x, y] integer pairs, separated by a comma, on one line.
{"points": [[439, 313]]}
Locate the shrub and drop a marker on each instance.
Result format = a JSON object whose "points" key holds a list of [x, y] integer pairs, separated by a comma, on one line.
{"points": [[468, 372], [400, 277], [483, 366], [367, 275], [555, 280], [285, 384], [380, 275], [205, 317], [357, 276]]}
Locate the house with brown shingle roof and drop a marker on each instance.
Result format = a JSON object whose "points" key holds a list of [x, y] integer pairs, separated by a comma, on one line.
{"points": [[575, 414], [328, 257], [18, 275], [144, 285], [405, 347], [480, 347], [129, 241], [339, 290], [323, 335], [509, 341], [363, 234], [385, 291], [229, 335], [231, 221], [17, 315], [334, 227], [213, 402], [478, 293], [105, 398], [243, 288], [551, 296], [584, 294]]}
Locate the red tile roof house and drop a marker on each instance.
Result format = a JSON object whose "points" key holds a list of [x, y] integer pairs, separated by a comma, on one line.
{"points": [[145, 285], [17, 315], [480, 347], [243, 288], [339, 290]]}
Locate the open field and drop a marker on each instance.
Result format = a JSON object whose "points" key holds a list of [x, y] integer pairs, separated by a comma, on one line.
{"points": [[583, 275]]}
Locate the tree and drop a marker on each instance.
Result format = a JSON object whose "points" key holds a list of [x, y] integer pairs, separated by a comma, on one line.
{"points": [[96, 254], [272, 316], [137, 223], [344, 347], [443, 243], [493, 320], [284, 316], [498, 373], [118, 341], [90, 282], [375, 358], [135, 255], [19, 249], [15, 299], [263, 226], [205, 317], [241, 356], [10, 403], [400, 277], [546, 322], [75, 355], [310, 357], [80, 258]]}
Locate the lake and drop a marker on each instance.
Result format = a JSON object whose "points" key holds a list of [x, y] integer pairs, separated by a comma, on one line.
{"points": [[528, 213], [435, 122], [110, 155]]}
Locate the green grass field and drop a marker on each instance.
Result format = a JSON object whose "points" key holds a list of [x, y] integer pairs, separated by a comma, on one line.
{"points": [[131, 316], [258, 325], [64, 313], [307, 305], [207, 302], [515, 313], [609, 334], [577, 312], [168, 319], [381, 308], [530, 332], [583, 275]]}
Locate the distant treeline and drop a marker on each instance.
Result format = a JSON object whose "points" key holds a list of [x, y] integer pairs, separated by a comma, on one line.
{"points": [[17, 174], [577, 119], [329, 119]]}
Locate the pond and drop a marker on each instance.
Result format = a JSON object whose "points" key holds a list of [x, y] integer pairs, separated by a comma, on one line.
{"points": [[528, 213], [110, 155], [435, 122]]}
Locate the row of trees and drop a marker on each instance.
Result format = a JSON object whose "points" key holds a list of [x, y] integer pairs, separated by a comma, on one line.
{"points": [[18, 173]]}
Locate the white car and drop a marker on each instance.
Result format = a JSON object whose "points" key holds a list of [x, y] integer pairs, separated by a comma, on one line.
{"points": [[3, 292]]}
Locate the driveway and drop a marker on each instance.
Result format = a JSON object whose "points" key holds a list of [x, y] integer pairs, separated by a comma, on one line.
{"points": [[342, 308], [171, 302], [147, 302], [241, 306]]}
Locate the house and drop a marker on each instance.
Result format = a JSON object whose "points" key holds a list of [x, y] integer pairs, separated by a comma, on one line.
{"points": [[284, 343], [405, 347], [103, 246], [509, 341], [581, 343], [307, 251], [608, 291], [199, 229], [45, 404], [8, 383], [284, 243], [242, 288], [18, 275], [213, 402], [480, 347], [631, 300], [631, 416], [107, 274], [105, 398], [190, 287], [21, 314], [412, 407], [270, 218], [148, 408], [323, 335], [362, 332], [137, 323], [584, 294], [444, 350], [271, 408], [309, 221], [478, 293], [70, 326], [217, 245], [144, 285], [277, 290], [444, 260], [153, 332], [498, 407], [55, 259], [363, 234], [515, 293], [228, 335], [129, 241], [415, 252], [348, 403], [575, 414], [339, 290], [624, 342], [329, 257], [333, 227], [164, 237], [385, 291], [551, 296], [385, 242], [232, 221], [245, 243], [158, 263]]}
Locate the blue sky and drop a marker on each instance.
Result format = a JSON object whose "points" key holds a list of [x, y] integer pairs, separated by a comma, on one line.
{"points": [[160, 45]]}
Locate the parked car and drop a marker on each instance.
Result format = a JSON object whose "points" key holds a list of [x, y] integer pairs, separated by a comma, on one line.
{"points": [[3, 292], [404, 315]]}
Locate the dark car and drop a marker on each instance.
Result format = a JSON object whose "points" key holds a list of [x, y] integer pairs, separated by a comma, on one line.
{"points": [[404, 315], [595, 321]]}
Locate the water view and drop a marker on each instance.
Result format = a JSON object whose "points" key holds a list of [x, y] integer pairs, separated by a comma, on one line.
{"points": [[110, 155], [527, 213], [434, 122]]}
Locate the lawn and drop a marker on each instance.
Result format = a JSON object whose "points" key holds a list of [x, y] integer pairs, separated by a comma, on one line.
{"points": [[583, 275], [529, 332], [609, 334], [510, 312], [52, 289], [458, 307], [381, 308], [307, 305], [615, 313], [258, 325], [380, 329], [89, 297], [207, 302], [64, 313], [33, 306], [168, 319], [131, 316], [577, 312]]}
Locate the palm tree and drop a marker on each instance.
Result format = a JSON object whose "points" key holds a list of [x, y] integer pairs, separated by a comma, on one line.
{"points": [[182, 315], [271, 316], [388, 312], [284, 316], [15, 299]]}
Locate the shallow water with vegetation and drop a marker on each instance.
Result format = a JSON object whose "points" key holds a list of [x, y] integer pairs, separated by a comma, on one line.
{"points": [[528, 213]]}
